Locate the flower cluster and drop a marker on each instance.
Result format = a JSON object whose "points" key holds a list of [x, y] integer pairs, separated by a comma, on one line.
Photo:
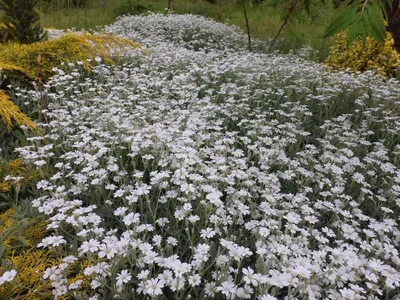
{"points": [[187, 31], [220, 174]]}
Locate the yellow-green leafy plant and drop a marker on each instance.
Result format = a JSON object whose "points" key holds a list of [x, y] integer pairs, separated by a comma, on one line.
{"points": [[28, 284], [5, 34], [18, 235], [65, 49], [13, 168], [7, 67], [9, 113], [19, 252], [23, 58], [379, 57]]}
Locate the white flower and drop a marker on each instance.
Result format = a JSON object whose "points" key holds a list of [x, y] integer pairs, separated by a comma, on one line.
{"points": [[57, 240], [157, 239], [143, 274], [249, 276], [172, 241], [120, 211], [293, 218], [193, 219], [8, 276], [214, 198], [167, 276], [245, 292], [358, 177], [45, 242], [75, 285], [302, 272], [131, 218], [218, 143], [154, 286], [194, 280], [141, 288], [90, 246], [123, 277], [210, 289], [267, 297], [348, 294], [107, 250], [228, 289], [207, 233], [95, 297], [40, 163], [69, 259]]}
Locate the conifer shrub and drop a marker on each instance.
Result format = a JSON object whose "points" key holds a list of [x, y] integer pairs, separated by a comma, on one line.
{"points": [[19, 242], [20, 60], [6, 67], [12, 168], [11, 114], [17, 180], [381, 58], [5, 34], [132, 7], [10, 73], [21, 21], [79, 3], [65, 49]]}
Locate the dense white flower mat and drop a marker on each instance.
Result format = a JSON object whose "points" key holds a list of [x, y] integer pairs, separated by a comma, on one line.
{"points": [[206, 170]]}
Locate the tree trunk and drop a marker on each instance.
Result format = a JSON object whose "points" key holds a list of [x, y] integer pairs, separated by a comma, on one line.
{"points": [[393, 20], [169, 4], [39, 85], [290, 11], [220, 10], [247, 26]]}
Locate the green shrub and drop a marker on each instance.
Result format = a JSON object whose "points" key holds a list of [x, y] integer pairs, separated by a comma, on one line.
{"points": [[132, 7], [65, 49], [9, 113], [21, 21], [358, 56], [18, 241]]}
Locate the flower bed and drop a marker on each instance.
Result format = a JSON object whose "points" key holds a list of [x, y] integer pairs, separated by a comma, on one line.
{"points": [[220, 173]]}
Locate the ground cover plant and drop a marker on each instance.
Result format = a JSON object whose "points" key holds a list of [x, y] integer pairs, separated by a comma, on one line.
{"points": [[32, 64], [205, 171], [29, 66], [266, 17]]}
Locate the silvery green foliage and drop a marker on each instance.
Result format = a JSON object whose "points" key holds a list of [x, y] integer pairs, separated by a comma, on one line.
{"points": [[54, 33], [188, 31], [220, 174]]}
